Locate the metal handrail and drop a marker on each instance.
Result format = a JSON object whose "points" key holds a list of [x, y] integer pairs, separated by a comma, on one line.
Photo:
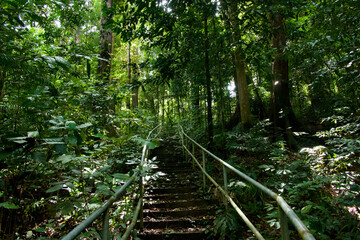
{"points": [[104, 209], [284, 209]]}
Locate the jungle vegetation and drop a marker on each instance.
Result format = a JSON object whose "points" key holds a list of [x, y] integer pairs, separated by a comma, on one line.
{"points": [[272, 86]]}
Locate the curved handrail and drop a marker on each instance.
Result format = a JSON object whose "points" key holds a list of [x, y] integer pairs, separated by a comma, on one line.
{"points": [[106, 206], [284, 208]]}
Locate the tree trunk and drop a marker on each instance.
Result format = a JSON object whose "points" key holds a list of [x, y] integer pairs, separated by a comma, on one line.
{"points": [[232, 12], [135, 96], [221, 95], [128, 72], [196, 102], [235, 118], [208, 84], [221, 104], [243, 92], [104, 64], [163, 107], [282, 112], [258, 101]]}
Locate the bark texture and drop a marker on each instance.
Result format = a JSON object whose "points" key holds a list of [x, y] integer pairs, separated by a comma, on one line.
{"points": [[135, 81], [282, 112], [208, 83], [232, 12], [106, 39], [128, 102]]}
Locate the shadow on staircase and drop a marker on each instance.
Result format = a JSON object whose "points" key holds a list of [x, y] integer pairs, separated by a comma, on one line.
{"points": [[174, 203]]}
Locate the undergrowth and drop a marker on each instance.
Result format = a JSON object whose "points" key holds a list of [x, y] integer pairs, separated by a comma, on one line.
{"points": [[53, 179], [321, 183]]}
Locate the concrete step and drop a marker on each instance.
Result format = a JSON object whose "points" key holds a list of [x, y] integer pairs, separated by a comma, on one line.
{"points": [[169, 196], [160, 234], [178, 212], [153, 191], [173, 204], [176, 223], [176, 203]]}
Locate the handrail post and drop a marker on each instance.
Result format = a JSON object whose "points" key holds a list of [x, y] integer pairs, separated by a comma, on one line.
{"points": [[193, 152], [185, 146], [141, 214], [182, 143], [105, 230], [286, 214], [284, 225], [204, 167], [225, 177], [225, 185]]}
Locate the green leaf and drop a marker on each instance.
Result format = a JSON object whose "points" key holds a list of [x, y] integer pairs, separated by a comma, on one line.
{"points": [[329, 38], [78, 172], [62, 62], [152, 144], [65, 159], [40, 230], [72, 140], [121, 176], [90, 234], [19, 140], [61, 148], [104, 189], [71, 125], [39, 157], [9, 205], [306, 209], [85, 125], [70, 185], [33, 134], [101, 136], [53, 128], [52, 141], [54, 189], [66, 207]]}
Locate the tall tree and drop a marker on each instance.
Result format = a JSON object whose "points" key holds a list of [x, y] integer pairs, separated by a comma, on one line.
{"points": [[231, 9], [128, 101], [135, 83], [106, 41], [208, 77], [282, 112]]}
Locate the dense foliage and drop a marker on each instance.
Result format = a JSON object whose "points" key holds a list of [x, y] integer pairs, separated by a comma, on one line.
{"points": [[275, 83]]}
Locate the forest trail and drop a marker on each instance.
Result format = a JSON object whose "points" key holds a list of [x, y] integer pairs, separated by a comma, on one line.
{"points": [[174, 205]]}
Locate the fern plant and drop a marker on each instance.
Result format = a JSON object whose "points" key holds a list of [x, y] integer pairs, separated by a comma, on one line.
{"points": [[228, 224]]}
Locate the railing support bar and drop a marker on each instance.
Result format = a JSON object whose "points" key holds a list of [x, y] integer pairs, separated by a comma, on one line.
{"points": [[182, 145], [141, 213], [105, 230], [204, 167], [284, 225], [238, 210], [104, 209], [79, 228], [225, 177], [193, 152], [225, 180], [293, 218], [133, 221]]}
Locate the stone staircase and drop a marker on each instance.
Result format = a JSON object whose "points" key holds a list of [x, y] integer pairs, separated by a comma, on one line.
{"points": [[174, 204]]}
